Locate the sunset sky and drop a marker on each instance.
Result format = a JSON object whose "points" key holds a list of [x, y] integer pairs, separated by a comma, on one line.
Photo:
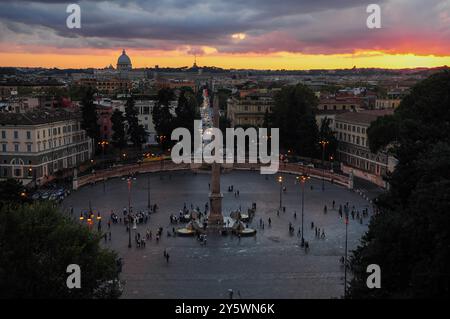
{"points": [[259, 34]]}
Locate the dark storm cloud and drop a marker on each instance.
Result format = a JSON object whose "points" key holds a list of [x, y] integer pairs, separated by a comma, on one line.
{"points": [[288, 25]]}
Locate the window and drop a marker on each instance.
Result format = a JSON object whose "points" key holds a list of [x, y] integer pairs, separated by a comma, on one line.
{"points": [[17, 172], [16, 147], [3, 134], [28, 135], [29, 148], [16, 134], [3, 147]]}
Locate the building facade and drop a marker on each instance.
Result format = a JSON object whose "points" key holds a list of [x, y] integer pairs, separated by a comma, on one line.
{"points": [[353, 149], [249, 109], [35, 146]]}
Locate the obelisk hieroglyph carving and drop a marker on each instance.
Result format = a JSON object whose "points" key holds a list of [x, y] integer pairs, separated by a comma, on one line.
{"points": [[215, 219]]}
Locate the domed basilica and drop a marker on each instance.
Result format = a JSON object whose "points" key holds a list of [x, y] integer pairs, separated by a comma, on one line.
{"points": [[124, 62]]}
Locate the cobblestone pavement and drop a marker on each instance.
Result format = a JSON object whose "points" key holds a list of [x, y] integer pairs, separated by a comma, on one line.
{"points": [[270, 265]]}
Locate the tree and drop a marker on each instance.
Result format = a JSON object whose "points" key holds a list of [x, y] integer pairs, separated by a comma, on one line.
{"points": [[267, 121], [11, 191], [136, 132], [187, 110], [89, 116], [163, 118], [118, 126], [410, 237], [327, 134], [293, 114], [38, 243]]}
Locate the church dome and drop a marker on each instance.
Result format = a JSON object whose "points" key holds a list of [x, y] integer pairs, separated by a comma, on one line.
{"points": [[124, 61]]}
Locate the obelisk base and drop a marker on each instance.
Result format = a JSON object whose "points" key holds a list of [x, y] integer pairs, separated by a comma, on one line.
{"points": [[215, 218]]}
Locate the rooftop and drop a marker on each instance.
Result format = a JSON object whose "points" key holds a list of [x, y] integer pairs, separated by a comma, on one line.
{"points": [[364, 117], [38, 116]]}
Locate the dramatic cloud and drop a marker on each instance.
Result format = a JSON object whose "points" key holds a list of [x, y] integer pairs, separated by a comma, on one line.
{"points": [[232, 26]]}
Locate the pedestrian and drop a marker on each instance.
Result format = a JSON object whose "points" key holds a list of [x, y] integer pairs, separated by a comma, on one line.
{"points": [[295, 215], [110, 236], [167, 257], [270, 222], [334, 203], [325, 209]]}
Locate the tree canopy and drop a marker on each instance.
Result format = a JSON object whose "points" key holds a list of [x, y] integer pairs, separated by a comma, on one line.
{"points": [[293, 114], [119, 137], [37, 244], [136, 132], [89, 116], [410, 237]]}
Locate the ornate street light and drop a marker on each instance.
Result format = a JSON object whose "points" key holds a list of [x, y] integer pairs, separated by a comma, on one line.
{"points": [[302, 179], [324, 143]]}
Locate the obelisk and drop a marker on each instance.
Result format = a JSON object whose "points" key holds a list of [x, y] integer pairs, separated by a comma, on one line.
{"points": [[215, 219]]}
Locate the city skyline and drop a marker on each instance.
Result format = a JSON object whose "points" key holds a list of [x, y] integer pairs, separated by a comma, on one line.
{"points": [[252, 35]]}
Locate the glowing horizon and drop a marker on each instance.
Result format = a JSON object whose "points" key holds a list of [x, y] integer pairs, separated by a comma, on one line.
{"points": [[273, 61]]}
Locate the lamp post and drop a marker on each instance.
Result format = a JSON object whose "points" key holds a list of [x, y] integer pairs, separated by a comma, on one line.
{"points": [[99, 220], [303, 178], [324, 143], [280, 180], [103, 144], [129, 211], [345, 257], [148, 192]]}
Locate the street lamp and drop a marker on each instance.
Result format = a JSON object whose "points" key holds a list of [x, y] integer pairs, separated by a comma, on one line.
{"points": [[280, 180], [103, 144], [148, 192], [345, 258], [324, 143], [129, 182], [302, 179]]}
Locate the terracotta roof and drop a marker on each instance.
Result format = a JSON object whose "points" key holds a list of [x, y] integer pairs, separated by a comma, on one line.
{"points": [[39, 116], [364, 117]]}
